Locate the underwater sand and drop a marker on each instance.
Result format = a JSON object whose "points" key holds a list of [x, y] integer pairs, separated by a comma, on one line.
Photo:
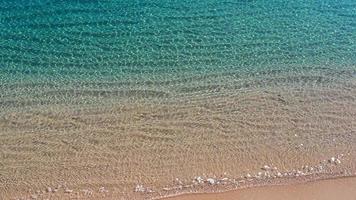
{"points": [[119, 147]]}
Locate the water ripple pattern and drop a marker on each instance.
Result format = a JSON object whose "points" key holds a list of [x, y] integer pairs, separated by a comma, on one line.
{"points": [[149, 88]]}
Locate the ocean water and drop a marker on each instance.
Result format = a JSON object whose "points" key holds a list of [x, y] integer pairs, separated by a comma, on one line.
{"points": [[118, 93]]}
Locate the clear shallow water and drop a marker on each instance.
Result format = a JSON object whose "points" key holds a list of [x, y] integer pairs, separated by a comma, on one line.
{"points": [[145, 85], [117, 41]]}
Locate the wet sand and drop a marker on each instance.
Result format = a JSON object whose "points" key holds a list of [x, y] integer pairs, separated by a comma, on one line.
{"points": [[331, 189]]}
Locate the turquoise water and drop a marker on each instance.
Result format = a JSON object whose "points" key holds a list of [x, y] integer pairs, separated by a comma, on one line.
{"points": [[157, 44]]}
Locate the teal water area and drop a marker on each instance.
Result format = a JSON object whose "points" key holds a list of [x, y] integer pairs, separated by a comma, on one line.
{"points": [[134, 45]]}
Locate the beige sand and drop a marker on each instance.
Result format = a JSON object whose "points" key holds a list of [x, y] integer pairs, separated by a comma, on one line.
{"points": [[333, 189], [151, 143]]}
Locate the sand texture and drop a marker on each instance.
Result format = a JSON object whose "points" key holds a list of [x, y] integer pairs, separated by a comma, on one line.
{"points": [[165, 146], [344, 188]]}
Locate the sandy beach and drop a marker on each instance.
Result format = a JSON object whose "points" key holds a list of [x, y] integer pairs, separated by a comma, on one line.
{"points": [[332, 189]]}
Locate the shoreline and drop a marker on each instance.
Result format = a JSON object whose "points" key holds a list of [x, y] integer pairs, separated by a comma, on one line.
{"points": [[336, 185], [269, 176], [266, 190]]}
